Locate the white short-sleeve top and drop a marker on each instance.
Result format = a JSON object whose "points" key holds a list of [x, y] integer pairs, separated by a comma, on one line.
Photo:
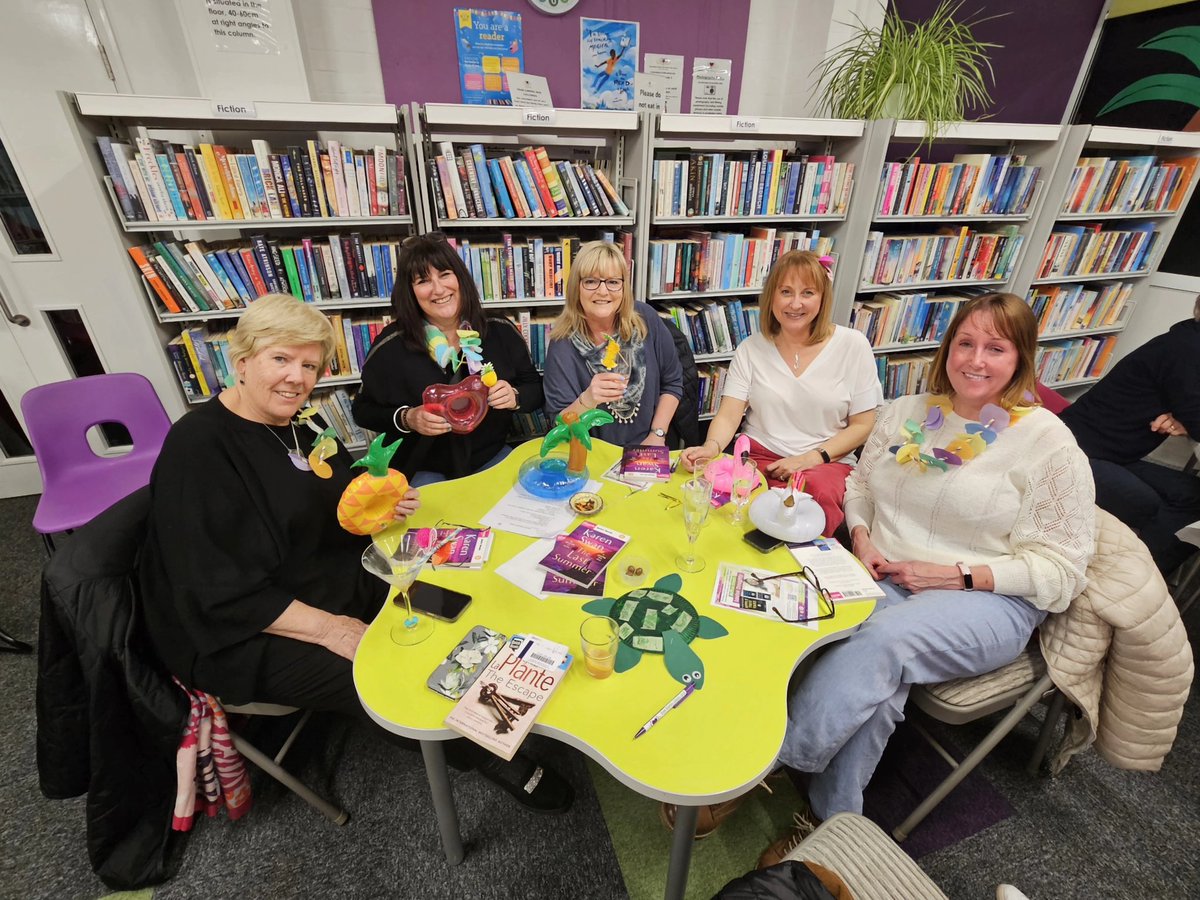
{"points": [[790, 414]]}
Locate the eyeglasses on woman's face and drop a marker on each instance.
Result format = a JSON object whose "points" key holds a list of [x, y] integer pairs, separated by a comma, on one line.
{"points": [[610, 284]]}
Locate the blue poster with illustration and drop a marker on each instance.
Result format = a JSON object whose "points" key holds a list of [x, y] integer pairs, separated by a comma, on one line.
{"points": [[489, 47], [608, 61]]}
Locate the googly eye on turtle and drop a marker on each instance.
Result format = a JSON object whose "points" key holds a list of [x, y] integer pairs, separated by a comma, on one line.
{"points": [[687, 679], [696, 676]]}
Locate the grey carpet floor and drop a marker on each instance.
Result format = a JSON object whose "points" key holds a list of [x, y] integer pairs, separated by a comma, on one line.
{"points": [[1091, 832]]}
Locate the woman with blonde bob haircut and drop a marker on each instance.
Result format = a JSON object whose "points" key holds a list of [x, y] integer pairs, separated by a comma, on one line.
{"points": [[279, 319], [803, 389], [641, 387]]}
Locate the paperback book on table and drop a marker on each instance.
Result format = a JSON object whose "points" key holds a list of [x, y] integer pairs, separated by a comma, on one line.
{"points": [[838, 569], [646, 463], [583, 554], [498, 710], [463, 548]]}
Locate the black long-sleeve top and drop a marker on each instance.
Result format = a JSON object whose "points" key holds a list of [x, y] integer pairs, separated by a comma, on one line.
{"points": [[395, 376], [236, 533], [1112, 420]]}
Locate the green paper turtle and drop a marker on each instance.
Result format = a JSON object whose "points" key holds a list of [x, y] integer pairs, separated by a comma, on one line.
{"points": [[659, 620]]}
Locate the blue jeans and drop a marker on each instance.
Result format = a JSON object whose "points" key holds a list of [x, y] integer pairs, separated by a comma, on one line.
{"points": [[843, 712], [1154, 501], [422, 478]]}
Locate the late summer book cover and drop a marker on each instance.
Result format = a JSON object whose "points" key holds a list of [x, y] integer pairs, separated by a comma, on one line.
{"points": [[583, 554], [646, 462]]}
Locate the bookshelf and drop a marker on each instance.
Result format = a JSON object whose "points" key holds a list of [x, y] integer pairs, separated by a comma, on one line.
{"points": [[1110, 210], [946, 219], [710, 223], [216, 209]]}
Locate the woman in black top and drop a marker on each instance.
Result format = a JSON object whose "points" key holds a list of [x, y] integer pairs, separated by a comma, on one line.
{"points": [[250, 589], [435, 300]]}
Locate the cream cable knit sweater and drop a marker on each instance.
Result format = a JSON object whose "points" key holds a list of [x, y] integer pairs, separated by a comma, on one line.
{"points": [[1024, 507]]}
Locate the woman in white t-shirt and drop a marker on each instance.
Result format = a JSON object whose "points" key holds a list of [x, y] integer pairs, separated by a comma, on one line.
{"points": [[806, 388]]}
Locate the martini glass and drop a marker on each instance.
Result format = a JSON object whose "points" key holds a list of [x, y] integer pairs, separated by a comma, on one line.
{"points": [[398, 560]]}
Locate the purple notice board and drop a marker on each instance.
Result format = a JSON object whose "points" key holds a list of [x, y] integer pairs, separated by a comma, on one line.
{"points": [[419, 61]]}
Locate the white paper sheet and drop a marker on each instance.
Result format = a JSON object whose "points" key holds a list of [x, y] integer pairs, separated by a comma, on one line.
{"points": [[519, 512]]}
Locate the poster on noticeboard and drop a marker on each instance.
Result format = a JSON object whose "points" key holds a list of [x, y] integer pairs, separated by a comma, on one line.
{"points": [[490, 45], [608, 62]]}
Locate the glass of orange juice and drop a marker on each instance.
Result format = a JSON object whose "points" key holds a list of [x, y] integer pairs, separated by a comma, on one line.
{"points": [[598, 638]]}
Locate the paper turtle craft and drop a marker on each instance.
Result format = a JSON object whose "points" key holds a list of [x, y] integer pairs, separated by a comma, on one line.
{"points": [[658, 619]]}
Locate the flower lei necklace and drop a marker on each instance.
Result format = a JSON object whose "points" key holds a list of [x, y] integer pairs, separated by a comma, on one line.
{"points": [[974, 440], [469, 350]]}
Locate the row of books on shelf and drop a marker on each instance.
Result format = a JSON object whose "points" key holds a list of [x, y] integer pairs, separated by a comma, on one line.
{"points": [[194, 276], [336, 407], [724, 260], [202, 362], [903, 374], [468, 184], [908, 318], [1091, 249], [1085, 357], [1070, 307], [1126, 184], [529, 425], [165, 182], [713, 326], [533, 267], [711, 384], [753, 183], [972, 184], [536, 332], [964, 255]]}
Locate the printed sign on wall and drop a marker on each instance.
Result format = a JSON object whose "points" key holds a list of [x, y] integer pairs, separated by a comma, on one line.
{"points": [[608, 62], [490, 46]]}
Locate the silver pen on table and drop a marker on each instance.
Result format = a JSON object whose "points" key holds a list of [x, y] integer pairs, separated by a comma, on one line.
{"points": [[671, 704]]}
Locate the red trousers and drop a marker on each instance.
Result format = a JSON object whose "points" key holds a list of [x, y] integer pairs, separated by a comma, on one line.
{"points": [[825, 482]]}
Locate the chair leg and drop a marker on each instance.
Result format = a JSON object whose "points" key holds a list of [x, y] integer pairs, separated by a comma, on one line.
{"points": [[964, 768], [335, 814], [1049, 726], [10, 644]]}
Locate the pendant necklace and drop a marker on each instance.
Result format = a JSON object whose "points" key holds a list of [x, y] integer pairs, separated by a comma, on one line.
{"points": [[294, 454]]}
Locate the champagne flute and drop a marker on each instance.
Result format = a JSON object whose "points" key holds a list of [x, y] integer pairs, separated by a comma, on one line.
{"points": [[398, 561], [697, 501], [745, 476]]}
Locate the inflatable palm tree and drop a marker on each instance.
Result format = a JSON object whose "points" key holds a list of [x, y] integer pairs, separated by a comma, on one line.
{"points": [[575, 428]]}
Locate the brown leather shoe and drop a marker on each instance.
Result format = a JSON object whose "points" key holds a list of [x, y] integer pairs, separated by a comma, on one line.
{"points": [[802, 826], [708, 817]]}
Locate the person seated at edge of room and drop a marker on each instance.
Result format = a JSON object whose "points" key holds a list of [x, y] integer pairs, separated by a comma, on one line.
{"points": [[642, 390], [807, 388], [251, 589], [1150, 395], [974, 538], [436, 300]]}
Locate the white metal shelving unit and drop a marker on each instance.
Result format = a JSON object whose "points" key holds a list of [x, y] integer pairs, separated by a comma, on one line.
{"points": [[193, 120], [1090, 141]]}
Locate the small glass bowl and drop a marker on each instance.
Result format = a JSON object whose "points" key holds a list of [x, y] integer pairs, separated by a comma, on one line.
{"points": [[585, 503], [630, 570]]}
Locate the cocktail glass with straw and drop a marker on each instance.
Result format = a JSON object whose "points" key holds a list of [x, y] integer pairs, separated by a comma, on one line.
{"points": [[697, 501], [745, 476], [398, 560]]}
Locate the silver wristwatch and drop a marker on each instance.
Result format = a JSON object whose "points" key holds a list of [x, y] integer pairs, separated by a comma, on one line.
{"points": [[658, 432]]}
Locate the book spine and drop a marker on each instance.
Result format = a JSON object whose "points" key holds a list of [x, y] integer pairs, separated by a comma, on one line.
{"points": [[539, 180], [456, 187], [382, 197], [118, 180], [157, 285], [222, 157], [483, 173]]}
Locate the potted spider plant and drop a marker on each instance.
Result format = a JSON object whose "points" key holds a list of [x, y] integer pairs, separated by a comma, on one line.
{"points": [[932, 71]]}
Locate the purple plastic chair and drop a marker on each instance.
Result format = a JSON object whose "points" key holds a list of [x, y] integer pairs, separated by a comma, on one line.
{"points": [[76, 483]]}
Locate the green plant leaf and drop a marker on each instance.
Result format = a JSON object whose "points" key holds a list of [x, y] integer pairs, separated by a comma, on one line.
{"points": [[1185, 41], [1174, 87]]}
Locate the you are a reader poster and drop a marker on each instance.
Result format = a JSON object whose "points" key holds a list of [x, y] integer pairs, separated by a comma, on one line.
{"points": [[608, 62], [490, 46]]}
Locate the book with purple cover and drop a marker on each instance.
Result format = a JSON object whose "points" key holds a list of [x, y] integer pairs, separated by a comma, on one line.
{"points": [[464, 548], [582, 555], [646, 462], [556, 584]]}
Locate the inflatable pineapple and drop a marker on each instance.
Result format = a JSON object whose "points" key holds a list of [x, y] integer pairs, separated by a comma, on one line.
{"points": [[368, 503]]}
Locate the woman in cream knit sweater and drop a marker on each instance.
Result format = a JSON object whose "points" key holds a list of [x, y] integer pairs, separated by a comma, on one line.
{"points": [[974, 508]]}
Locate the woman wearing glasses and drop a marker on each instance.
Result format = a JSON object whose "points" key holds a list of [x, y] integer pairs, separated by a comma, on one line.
{"points": [[974, 508], [605, 350], [439, 336]]}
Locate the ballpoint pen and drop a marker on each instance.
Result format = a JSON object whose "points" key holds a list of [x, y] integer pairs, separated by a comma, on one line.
{"points": [[671, 704]]}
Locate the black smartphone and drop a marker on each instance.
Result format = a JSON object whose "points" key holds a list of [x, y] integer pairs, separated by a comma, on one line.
{"points": [[760, 540], [441, 603]]}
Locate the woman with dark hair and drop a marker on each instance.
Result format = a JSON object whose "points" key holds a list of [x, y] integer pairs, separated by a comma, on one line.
{"points": [[440, 335]]}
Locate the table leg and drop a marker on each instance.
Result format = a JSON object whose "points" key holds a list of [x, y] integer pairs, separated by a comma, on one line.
{"points": [[681, 851], [443, 800]]}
